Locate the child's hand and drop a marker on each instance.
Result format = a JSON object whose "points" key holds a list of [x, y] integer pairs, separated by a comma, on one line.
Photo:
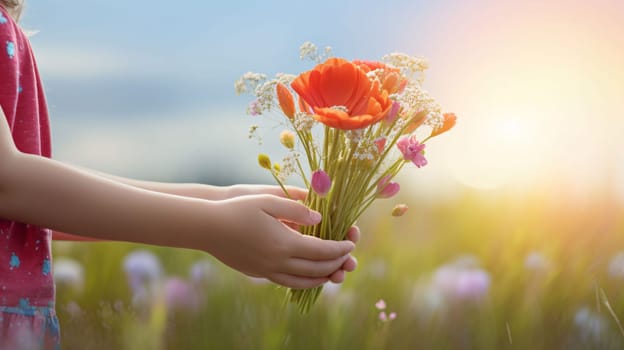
{"points": [[297, 193], [254, 239], [351, 263]]}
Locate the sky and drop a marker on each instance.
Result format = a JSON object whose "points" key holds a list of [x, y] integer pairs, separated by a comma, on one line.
{"points": [[145, 89]]}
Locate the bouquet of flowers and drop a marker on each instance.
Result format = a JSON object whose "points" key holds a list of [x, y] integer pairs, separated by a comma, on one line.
{"points": [[356, 123]]}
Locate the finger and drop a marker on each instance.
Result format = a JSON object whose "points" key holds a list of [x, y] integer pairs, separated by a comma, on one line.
{"points": [[289, 210], [314, 248], [337, 277], [310, 268], [353, 234], [297, 282], [350, 264], [296, 193]]}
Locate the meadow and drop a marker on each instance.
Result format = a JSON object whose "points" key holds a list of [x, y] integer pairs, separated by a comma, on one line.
{"points": [[540, 269]]}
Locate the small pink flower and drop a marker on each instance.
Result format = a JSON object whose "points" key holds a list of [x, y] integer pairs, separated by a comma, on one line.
{"points": [[321, 183], [387, 189], [392, 316], [380, 305], [393, 112], [412, 150], [380, 143]]}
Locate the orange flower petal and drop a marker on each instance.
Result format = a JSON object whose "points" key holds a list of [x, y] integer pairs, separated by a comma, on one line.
{"points": [[341, 120], [338, 82], [416, 120]]}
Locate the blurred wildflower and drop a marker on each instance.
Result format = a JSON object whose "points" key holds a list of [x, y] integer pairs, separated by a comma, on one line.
{"points": [[536, 261], [180, 295], [377, 268], [383, 316], [68, 273], [73, 309], [331, 289], [461, 281], [592, 326], [144, 272], [201, 272], [616, 266]]}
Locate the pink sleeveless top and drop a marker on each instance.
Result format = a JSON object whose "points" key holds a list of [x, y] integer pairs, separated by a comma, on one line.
{"points": [[25, 255], [27, 316]]}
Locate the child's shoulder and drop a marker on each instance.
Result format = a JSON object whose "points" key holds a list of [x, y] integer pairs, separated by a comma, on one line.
{"points": [[7, 25]]}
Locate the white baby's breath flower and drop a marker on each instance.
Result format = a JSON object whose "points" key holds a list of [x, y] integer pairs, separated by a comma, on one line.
{"points": [[409, 65], [304, 121], [289, 165], [285, 78], [366, 149], [309, 51], [253, 134], [355, 135], [248, 82], [415, 99]]}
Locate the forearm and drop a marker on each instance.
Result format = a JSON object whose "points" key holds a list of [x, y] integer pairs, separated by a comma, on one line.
{"points": [[47, 193], [180, 189]]}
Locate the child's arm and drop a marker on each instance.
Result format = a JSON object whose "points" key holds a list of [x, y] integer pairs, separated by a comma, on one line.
{"points": [[245, 233], [203, 191]]}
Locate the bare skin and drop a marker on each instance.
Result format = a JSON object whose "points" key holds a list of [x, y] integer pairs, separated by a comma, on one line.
{"points": [[247, 227]]}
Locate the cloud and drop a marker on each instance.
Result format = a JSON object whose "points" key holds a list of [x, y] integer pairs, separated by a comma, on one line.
{"points": [[70, 62]]}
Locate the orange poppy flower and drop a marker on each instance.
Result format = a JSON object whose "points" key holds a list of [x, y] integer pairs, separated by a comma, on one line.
{"points": [[342, 96], [391, 78]]}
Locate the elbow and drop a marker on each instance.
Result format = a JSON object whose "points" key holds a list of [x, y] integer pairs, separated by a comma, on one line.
{"points": [[9, 160]]}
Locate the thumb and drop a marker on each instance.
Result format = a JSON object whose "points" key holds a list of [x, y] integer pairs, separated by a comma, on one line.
{"points": [[290, 210]]}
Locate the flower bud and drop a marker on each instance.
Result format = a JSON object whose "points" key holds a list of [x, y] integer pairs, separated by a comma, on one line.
{"points": [[399, 210], [393, 112], [264, 161], [286, 101], [381, 144], [277, 167], [321, 183], [387, 189], [287, 138], [449, 122]]}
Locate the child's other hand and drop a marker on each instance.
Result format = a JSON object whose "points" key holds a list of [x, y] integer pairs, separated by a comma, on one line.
{"points": [[296, 193], [254, 239]]}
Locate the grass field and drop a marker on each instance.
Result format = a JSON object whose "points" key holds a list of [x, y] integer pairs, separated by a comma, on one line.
{"points": [[482, 270]]}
